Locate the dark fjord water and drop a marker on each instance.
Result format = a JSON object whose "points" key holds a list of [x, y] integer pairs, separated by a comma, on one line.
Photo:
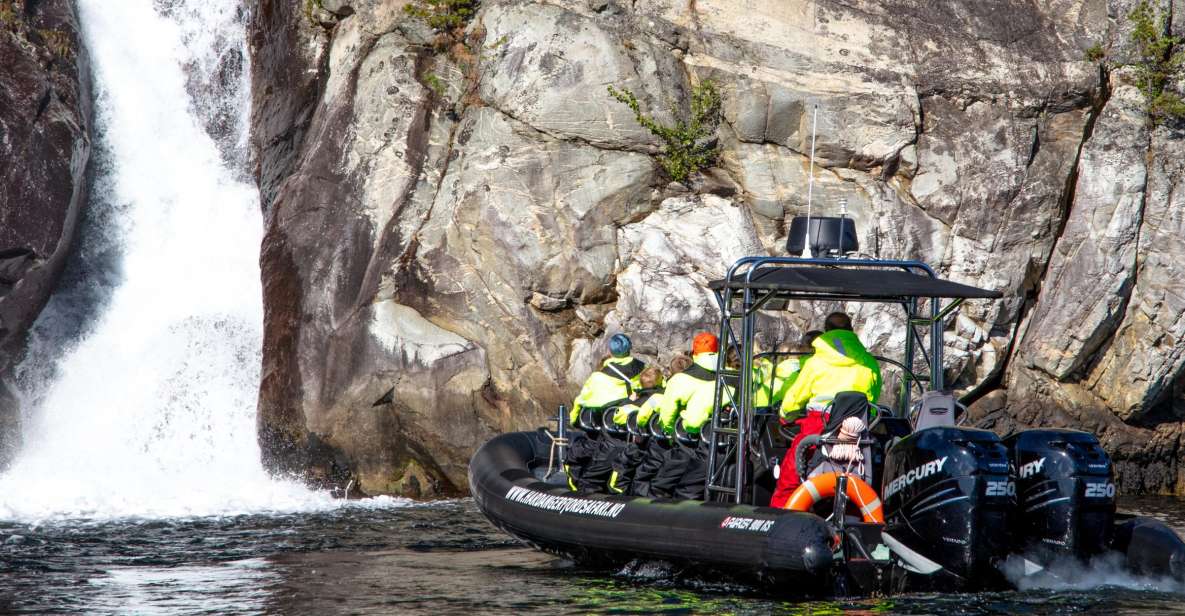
{"points": [[440, 558]]}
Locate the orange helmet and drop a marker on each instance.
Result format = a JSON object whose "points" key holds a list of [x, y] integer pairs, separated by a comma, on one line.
{"points": [[704, 343]]}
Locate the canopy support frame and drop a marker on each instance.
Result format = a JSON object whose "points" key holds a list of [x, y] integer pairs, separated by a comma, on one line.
{"points": [[732, 438]]}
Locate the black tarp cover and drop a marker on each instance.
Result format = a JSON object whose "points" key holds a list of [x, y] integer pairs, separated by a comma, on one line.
{"points": [[856, 283]]}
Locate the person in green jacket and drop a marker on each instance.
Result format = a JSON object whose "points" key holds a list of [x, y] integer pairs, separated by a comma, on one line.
{"points": [[772, 380], [690, 395], [765, 379], [787, 371], [614, 383], [840, 363]]}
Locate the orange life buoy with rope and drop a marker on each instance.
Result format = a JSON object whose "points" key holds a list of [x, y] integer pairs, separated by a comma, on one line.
{"points": [[822, 486]]}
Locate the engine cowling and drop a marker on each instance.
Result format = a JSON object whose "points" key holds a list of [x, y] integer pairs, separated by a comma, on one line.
{"points": [[948, 497], [1065, 494]]}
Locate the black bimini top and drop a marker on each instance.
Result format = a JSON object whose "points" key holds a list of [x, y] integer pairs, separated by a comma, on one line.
{"points": [[857, 284]]}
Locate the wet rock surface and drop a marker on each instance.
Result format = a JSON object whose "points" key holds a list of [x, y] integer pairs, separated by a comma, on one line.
{"points": [[457, 223], [44, 151]]}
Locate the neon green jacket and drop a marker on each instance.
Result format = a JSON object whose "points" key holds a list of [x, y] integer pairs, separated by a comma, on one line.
{"points": [[606, 386], [690, 395], [763, 381], [840, 363], [644, 409], [772, 382]]}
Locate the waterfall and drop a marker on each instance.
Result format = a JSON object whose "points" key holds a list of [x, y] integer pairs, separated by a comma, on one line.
{"points": [[150, 409]]}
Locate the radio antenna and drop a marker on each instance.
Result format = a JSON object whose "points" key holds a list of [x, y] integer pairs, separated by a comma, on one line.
{"points": [[843, 219], [810, 183]]}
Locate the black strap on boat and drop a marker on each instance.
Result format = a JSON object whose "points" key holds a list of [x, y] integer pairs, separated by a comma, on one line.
{"points": [[701, 373], [625, 372], [644, 394]]}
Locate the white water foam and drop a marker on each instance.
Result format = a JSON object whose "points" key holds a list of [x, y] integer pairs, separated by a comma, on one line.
{"points": [[152, 413], [1103, 571]]}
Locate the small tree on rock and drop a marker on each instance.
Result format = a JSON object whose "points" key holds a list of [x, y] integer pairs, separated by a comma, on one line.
{"points": [[689, 145], [1158, 62]]}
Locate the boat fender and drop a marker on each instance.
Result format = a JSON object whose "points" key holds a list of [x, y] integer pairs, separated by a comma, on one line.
{"points": [[822, 486]]}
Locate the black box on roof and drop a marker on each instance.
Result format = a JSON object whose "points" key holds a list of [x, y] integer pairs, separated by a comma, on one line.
{"points": [[829, 236]]}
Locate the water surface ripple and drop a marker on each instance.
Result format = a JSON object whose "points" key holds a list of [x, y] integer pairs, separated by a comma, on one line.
{"points": [[440, 558]]}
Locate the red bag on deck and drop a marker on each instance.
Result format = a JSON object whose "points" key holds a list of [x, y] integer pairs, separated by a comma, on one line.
{"points": [[788, 480]]}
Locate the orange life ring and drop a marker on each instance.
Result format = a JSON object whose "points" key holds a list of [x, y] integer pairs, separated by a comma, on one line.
{"points": [[822, 486]]}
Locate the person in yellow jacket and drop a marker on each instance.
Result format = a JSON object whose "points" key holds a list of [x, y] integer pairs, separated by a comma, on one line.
{"points": [[765, 379], [788, 369], [645, 399], [690, 395], [840, 363], [627, 457], [614, 383], [772, 380]]}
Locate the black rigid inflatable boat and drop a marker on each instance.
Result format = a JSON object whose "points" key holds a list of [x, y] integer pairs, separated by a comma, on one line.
{"points": [[963, 508], [508, 480], [951, 530]]}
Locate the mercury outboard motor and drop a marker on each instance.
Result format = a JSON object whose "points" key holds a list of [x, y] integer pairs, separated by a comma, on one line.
{"points": [[1065, 494], [948, 498]]}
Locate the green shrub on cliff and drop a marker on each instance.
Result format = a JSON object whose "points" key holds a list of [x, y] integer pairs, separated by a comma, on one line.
{"points": [[690, 145], [7, 13], [443, 15], [58, 42], [1158, 62]]}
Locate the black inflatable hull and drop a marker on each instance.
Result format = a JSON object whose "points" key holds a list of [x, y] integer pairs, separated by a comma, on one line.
{"points": [[1149, 547], [790, 548]]}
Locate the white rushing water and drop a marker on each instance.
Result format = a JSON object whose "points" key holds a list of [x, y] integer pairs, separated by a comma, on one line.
{"points": [[152, 412]]}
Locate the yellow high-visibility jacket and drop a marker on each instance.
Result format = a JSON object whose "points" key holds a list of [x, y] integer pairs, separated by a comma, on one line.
{"points": [[690, 395], [785, 375], [643, 406], [772, 382], [763, 381], [614, 382], [840, 363]]}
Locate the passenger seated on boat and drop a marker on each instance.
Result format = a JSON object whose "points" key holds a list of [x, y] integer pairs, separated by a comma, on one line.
{"points": [[629, 418], [613, 384], [645, 399], [587, 462], [840, 363], [653, 451], [690, 394], [684, 470], [786, 372], [688, 399]]}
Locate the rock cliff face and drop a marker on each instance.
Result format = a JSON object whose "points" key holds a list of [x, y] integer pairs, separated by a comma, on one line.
{"points": [[44, 149], [455, 224]]}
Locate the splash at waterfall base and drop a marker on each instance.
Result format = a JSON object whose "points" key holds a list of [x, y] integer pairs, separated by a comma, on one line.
{"points": [[957, 505], [139, 386]]}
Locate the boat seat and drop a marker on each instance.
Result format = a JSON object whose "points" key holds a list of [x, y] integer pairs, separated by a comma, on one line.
{"points": [[845, 405], [611, 427], [655, 430], [589, 419], [690, 439], [934, 409], [632, 427]]}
